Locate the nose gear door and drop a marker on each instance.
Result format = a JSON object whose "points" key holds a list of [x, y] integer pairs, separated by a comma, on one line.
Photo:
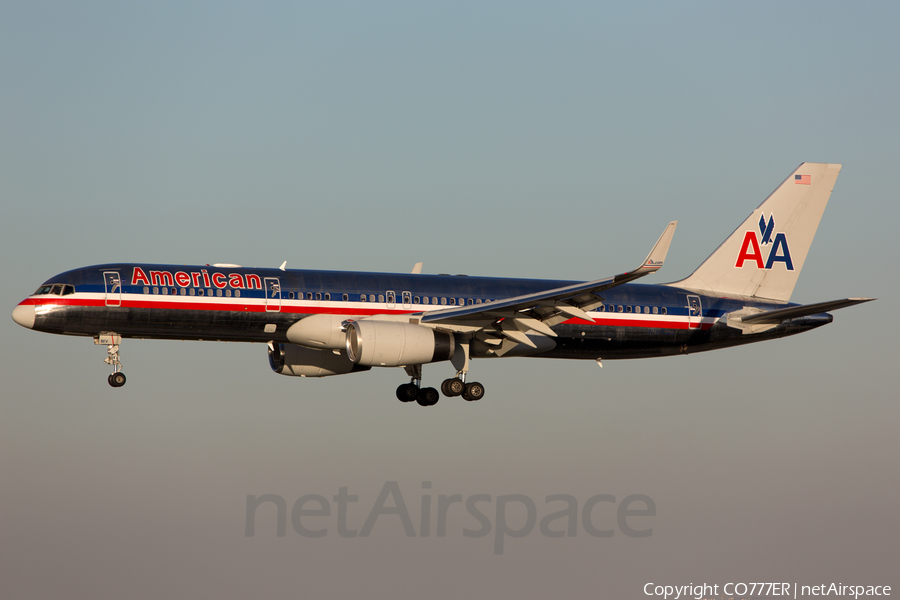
{"points": [[113, 283]]}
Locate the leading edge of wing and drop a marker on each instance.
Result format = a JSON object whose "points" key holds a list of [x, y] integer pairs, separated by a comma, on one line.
{"points": [[575, 296]]}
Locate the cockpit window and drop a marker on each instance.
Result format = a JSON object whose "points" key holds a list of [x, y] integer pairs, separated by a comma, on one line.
{"points": [[58, 289]]}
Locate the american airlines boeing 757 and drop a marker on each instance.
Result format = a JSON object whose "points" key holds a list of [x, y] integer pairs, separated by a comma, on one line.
{"points": [[321, 323]]}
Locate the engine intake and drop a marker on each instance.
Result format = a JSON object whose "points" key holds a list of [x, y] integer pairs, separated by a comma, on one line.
{"points": [[291, 359], [393, 344]]}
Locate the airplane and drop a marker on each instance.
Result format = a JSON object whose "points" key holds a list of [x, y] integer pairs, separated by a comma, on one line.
{"points": [[323, 323]]}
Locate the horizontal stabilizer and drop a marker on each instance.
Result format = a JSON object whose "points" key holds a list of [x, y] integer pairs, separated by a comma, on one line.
{"points": [[779, 315]]}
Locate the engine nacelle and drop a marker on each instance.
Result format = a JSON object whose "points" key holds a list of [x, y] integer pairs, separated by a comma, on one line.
{"points": [[290, 359], [318, 331], [394, 344]]}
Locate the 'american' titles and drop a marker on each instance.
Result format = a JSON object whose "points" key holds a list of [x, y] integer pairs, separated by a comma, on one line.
{"points": [[196, 279]]}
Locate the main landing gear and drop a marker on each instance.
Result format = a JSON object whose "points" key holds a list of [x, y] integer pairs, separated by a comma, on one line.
{"points": [[112, 341], [429, 396], [424, 396], [413, 390], [457, 387]]}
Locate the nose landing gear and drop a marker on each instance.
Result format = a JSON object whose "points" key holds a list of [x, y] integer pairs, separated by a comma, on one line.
{"points": [[112, 341]]}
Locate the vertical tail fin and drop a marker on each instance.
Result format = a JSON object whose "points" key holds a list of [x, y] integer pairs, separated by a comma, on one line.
{"points": [[763, 257]]}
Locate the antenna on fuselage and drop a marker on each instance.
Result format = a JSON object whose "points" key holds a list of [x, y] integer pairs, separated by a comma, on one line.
{"points": [[417, 269], [283, 265]]}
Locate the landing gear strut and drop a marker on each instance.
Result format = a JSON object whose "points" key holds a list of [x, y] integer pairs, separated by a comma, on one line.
{"points": [[112, 341]]}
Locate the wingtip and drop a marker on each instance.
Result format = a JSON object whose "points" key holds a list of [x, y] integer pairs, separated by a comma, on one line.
{"points": [[657, 256]]}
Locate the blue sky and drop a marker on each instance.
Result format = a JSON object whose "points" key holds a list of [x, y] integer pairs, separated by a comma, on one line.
{"points": [[500, 139]]}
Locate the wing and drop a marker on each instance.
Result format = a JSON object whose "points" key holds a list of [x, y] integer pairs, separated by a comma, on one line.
{"points": [[539, 311]]}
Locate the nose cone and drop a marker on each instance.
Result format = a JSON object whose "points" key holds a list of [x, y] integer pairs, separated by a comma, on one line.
{"points": [[23, 314]]}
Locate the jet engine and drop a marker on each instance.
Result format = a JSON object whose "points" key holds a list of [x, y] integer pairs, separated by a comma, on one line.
{"points": [[393, 344], [291, 359]]}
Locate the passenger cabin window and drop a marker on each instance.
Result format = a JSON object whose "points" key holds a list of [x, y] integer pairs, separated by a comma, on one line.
{"points": [[362, 297], [318, 295], [146, 289], [452, 301], [345, 297], [443, 301], [327, 296], [237, 293], [628, 308], [663, 310], [655, 310], [381, 297], [620, 308], [191, 291], [425, 300], [416, 300]]}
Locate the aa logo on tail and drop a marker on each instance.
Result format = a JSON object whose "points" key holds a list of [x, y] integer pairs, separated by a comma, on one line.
{"points": [[778, 250]]}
